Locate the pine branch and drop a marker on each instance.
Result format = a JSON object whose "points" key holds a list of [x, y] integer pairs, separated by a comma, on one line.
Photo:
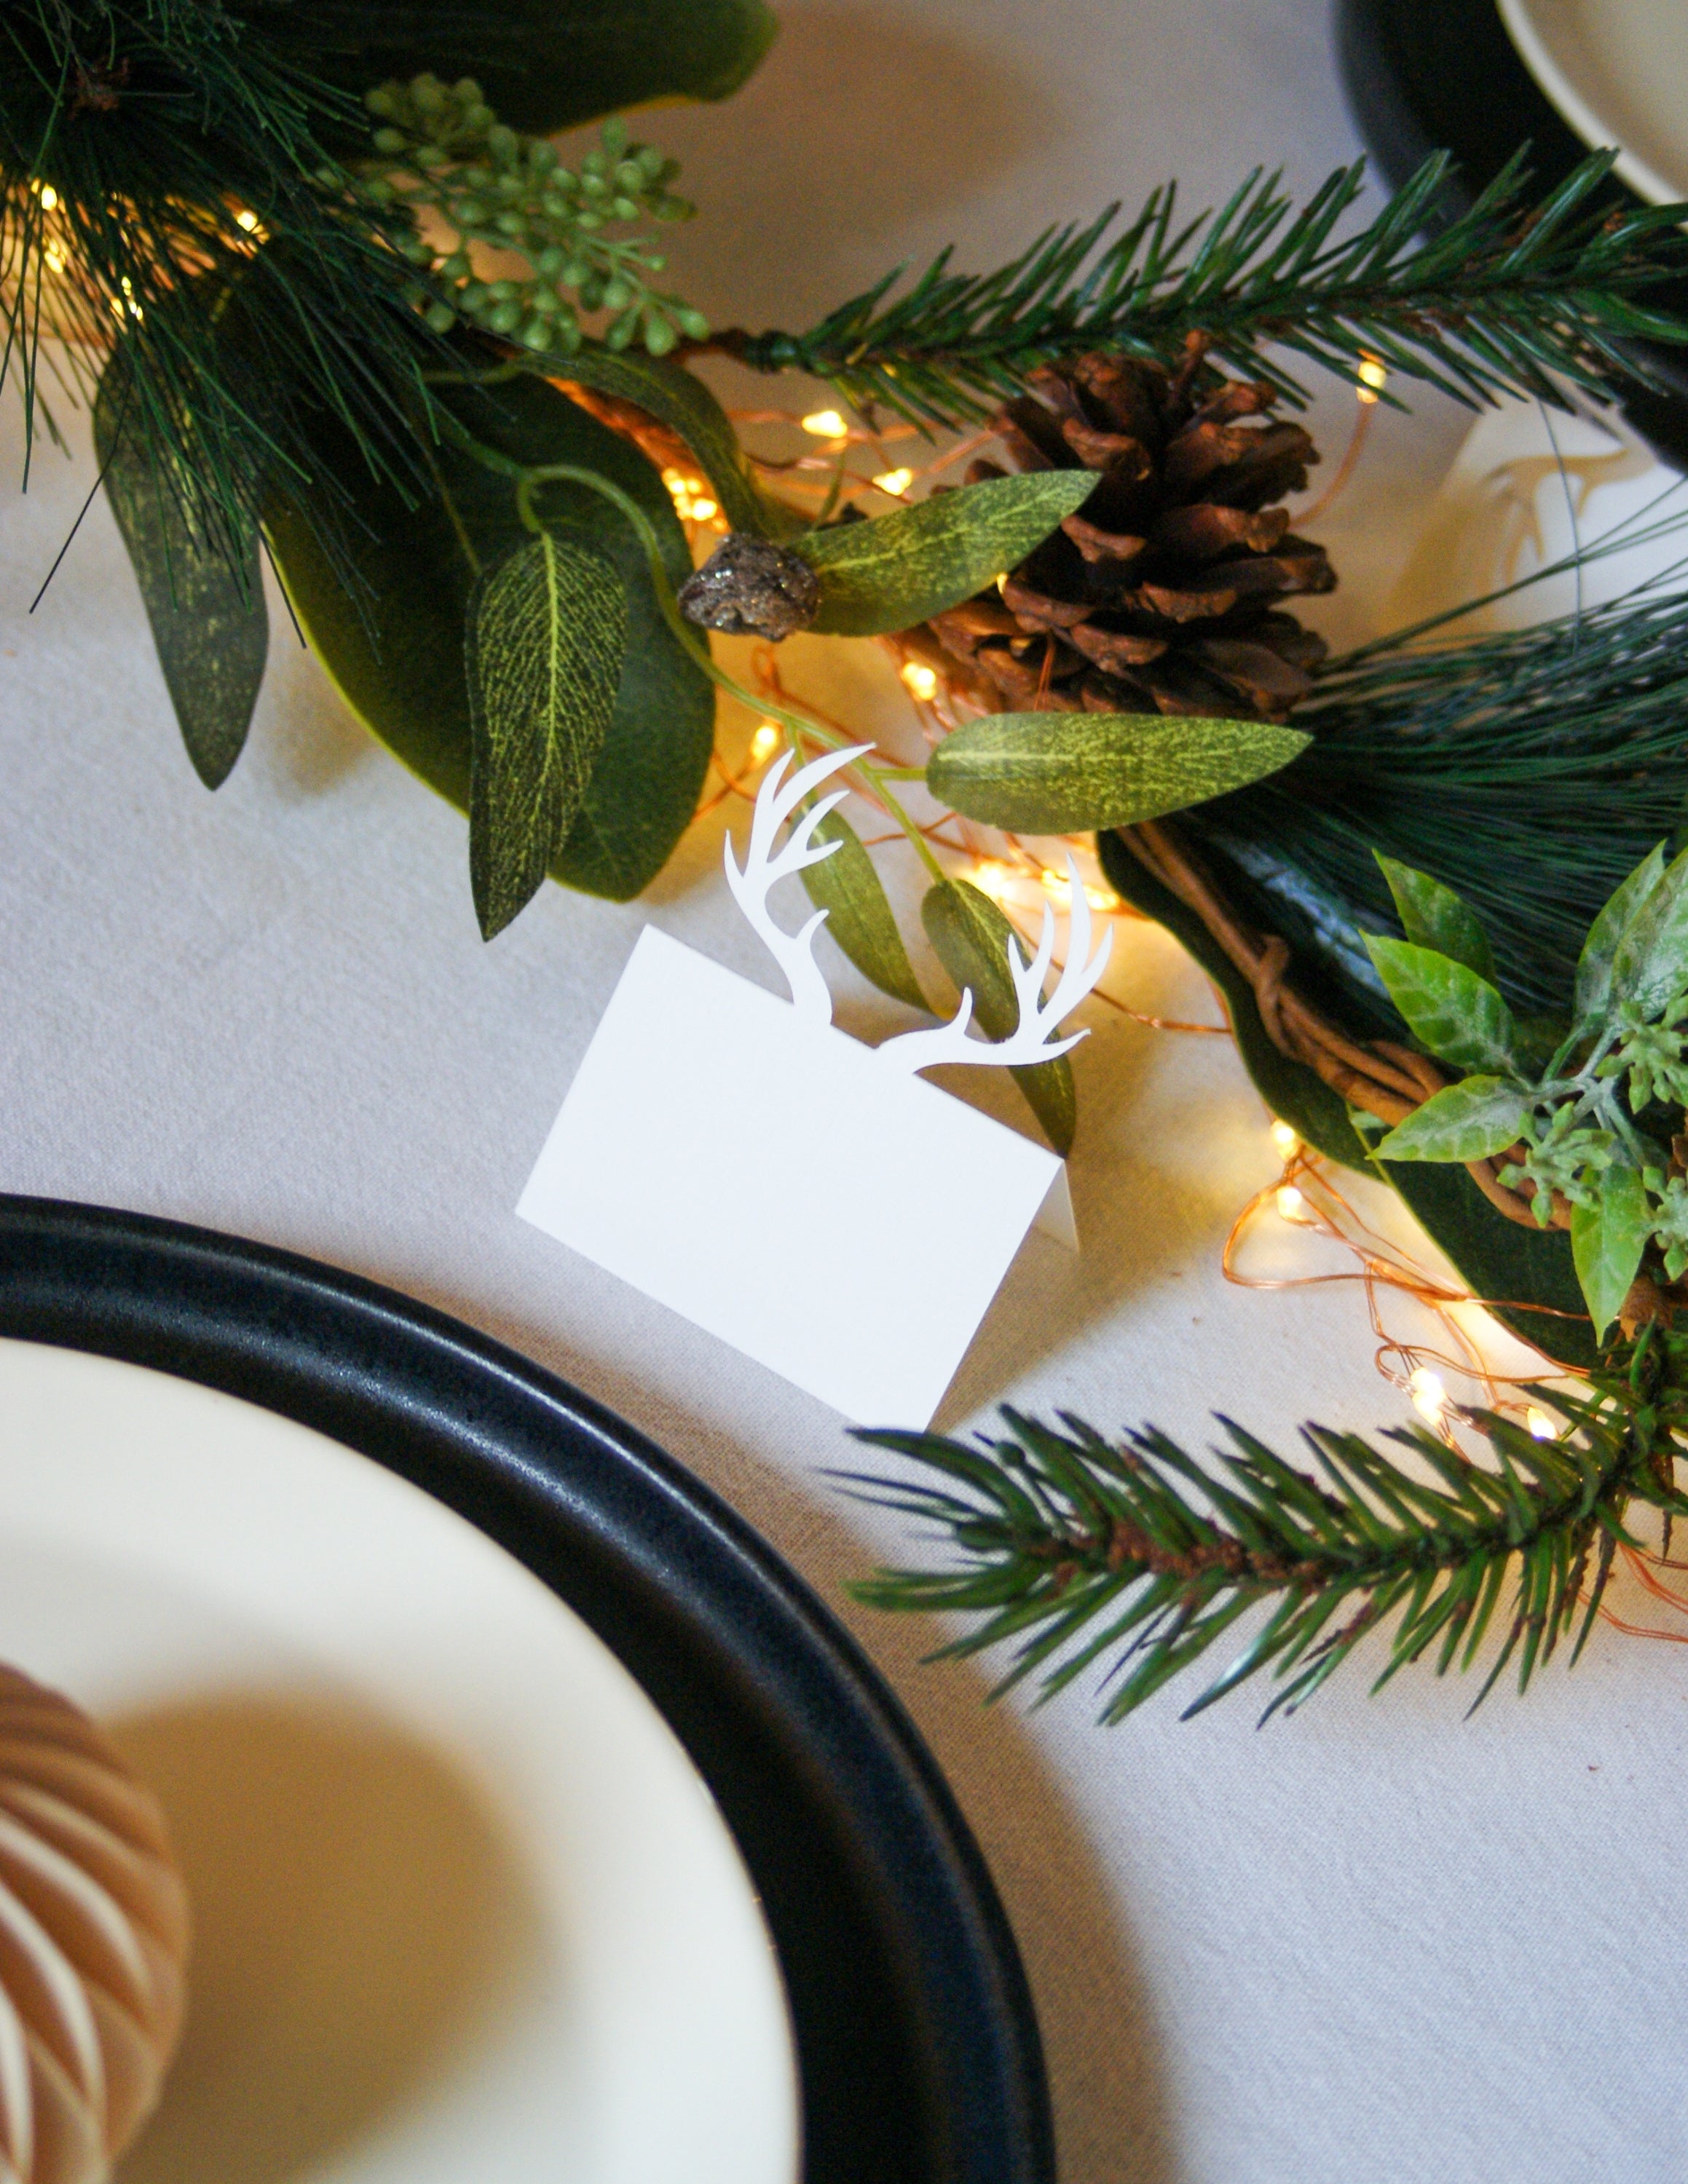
{"points": [[1139, 1555], [1492, 302], [1529, 771]]}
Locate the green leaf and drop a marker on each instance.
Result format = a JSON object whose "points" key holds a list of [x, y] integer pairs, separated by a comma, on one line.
{"points": [[900, 569], [544, 64], [678, 399], [1289, 1088], [1607, 1239], [1065, 773], [1650, 962], [397, 651], [546, 637], [1456, 1015], [972, 939], [1594, 966], [204, 596], [1434, 918], [846, 886], [1467, 1122]]}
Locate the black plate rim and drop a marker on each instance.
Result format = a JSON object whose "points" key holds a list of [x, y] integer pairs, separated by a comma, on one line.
{"points": [[918, 2043]]}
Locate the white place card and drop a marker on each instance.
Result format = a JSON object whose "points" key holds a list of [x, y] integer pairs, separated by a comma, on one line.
{"points": [[807, 1199]]}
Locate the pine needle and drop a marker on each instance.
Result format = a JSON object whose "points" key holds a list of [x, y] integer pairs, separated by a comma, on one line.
{"points": [[1078, 1551], [1495, 301]]}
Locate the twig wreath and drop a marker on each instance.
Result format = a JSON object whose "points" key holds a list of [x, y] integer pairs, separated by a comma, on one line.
{"points": [[337, 302]]}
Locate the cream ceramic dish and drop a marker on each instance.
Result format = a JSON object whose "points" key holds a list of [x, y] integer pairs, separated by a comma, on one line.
{"points": [[463, 1907], [1618, 71]]}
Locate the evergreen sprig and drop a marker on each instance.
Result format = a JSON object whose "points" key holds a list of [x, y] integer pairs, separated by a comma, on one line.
{"points": [[160, 163], [1494, 302], [1137, 1554]]}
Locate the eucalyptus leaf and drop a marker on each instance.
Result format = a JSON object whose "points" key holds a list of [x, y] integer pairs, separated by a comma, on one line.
{"points": [[396, 649], [846, 886], [1456, 1015], [1594, 967], [678, 398], [204, 595], [1607, 1239], [547, 634], [544, 64], [1434, 916], [1649, 963], [1065, 773], [1465, 1122], [972, 939], [900, 569]]}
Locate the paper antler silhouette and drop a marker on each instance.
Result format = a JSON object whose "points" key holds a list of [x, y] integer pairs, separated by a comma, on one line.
{"points": [[1033, 1038], [774, 805]]}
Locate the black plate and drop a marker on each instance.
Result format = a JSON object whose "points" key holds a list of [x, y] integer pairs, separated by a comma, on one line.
{"points": [[917, 2046], [1425, 75]]}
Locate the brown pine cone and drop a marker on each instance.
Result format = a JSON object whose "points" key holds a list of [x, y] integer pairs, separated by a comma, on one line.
{"points": [[1160, 595]]}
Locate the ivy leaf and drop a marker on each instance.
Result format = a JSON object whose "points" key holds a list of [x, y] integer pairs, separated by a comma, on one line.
{"points": [[1066, 773], [846, 886], [1607, 1239], [678, 399], [972, 939], [547, 634], [544, 64], [1651, 961], [396, 649], [1434, 918], [1456, 1015], [1466, 1122], [900, 569], [1594, 966], [204, 596]]}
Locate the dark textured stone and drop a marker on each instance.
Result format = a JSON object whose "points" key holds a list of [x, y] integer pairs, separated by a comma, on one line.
{"points": [[750, 588]]}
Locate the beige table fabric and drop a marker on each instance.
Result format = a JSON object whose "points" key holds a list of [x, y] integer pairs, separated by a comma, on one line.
{"points": [[1375, 1943]]}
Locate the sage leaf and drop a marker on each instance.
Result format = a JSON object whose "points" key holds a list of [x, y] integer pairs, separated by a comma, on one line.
{"points": [[547, 634], [1456, 1015], [1594, 966], [1607, 1239], [1466, 1122], [846, 886], [1651, 961], [972, 937], [544, 64], [1434, 918], [1067, 773], [678, 399], [900, 569], [396, 651], [203, 594]]}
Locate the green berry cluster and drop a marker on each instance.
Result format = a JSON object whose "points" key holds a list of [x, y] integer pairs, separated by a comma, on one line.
{"points": [[441, 149]]}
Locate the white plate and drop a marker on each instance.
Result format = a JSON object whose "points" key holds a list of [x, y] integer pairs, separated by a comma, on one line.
{"points": [[1617, 70], [466, 1910]]}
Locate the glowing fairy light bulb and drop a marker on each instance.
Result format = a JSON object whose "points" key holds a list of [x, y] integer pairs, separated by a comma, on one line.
{"points": [[1541, 1424], [895, 482], [991, 878], [1374, 378], [1284, 1138], [919, 681], [1429, 1396], [825, 425], [764, 743], [49, 195], [1291, 1205]]}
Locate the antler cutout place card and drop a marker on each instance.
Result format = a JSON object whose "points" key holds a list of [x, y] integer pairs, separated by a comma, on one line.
{"points": [[808, 1199]]}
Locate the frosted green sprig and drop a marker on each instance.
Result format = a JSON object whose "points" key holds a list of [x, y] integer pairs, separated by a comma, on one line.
{"points": [[440, 149]]}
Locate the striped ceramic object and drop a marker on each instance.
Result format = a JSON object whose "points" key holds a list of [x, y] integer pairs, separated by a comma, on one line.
{"points": [[93, 1935]]}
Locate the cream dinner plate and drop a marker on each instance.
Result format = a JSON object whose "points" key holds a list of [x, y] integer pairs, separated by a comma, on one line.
{"points": [[465, 1908], [1618, 71]]}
